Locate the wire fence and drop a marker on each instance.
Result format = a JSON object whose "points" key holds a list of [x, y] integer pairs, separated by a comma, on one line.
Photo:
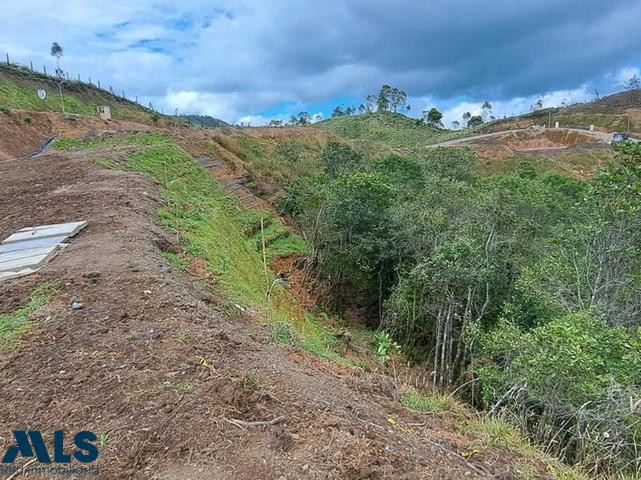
{"points": [[61, 76]]}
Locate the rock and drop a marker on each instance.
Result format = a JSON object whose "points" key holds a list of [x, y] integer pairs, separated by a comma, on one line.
{"points": [[77, 305]]}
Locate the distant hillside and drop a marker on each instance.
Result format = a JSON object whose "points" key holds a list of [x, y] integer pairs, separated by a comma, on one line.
{"points": [[18, 86], [204, 121], [392, 129], [612, 113]]}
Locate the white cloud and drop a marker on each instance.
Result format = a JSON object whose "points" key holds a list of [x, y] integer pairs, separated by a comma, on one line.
{"points": [[625, 74], [243, 57], [505, 108]]}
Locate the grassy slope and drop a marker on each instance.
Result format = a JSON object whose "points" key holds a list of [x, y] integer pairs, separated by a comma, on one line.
{"points": [[392, 129], [18, 91], [216, 228]]}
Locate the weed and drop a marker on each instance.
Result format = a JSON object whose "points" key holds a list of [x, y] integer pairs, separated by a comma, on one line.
{"points": [[433, 403], [249, 382], [386, 347], [282, 332], [67, 143], [181, 387], [16, 322], [27, 119], [105, 163], [105, 439], [176, 260]]}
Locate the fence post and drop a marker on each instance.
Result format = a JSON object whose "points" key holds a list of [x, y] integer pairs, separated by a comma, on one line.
{"points": [[98, 83], [78, 77], [7, 59], [31, 64], [44, 67]]}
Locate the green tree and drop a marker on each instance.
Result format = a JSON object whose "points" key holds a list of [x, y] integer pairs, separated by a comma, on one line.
{"points": [[338, 111], [383, 99], [475, 121], [433, 117], [397, 99], [56, 51]]}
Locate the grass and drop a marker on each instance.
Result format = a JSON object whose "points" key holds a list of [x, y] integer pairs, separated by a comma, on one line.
{"points": [[433, 403], [578, 163], [498, 432], [250, 382], [176, 260], [392, 129], [105, 439], [273, 160], [105, 163], [282, 332], [12, 95], [18, 87], [180, 387], [17, 322]]}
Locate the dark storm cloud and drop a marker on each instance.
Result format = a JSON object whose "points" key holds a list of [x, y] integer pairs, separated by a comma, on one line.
{"points": [[236, 57], [447, 48]]}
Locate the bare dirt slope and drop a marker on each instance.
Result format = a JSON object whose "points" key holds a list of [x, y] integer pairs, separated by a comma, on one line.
{"points": [[161, 366]]}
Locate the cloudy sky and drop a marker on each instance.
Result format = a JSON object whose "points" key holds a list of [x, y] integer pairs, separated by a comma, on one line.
{"points": [[253, 60]]}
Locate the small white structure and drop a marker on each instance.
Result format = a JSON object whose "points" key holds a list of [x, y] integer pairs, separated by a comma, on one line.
{"points": [[104, 112], [556, 124], [592, 128], [29, 249]]}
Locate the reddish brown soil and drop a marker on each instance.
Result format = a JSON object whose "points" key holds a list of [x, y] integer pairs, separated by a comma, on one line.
{"points": [[532, 141], [160, 362]]}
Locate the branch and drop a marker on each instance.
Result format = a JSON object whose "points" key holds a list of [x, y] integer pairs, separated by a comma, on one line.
{"points": [[261, 423]]}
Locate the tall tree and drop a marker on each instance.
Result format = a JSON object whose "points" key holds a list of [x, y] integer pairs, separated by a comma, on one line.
{"points": [[383, 100], [56, 51], [371, 103], [486, 109], [302, 118], [338, 111], [466, 117], [475, 121], [456, 124], [397, 99], [633, 83], [433, 117]]}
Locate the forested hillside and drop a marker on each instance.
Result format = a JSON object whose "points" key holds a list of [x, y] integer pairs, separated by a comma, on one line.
{"points": [[520, 291]]}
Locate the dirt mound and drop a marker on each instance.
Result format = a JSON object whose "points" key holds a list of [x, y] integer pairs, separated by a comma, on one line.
{"points": [[502, 146], [22, 131]]}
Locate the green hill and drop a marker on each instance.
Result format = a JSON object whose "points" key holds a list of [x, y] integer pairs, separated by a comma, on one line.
{"points": [[18, 86], [393, 129], [204, 121]]}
